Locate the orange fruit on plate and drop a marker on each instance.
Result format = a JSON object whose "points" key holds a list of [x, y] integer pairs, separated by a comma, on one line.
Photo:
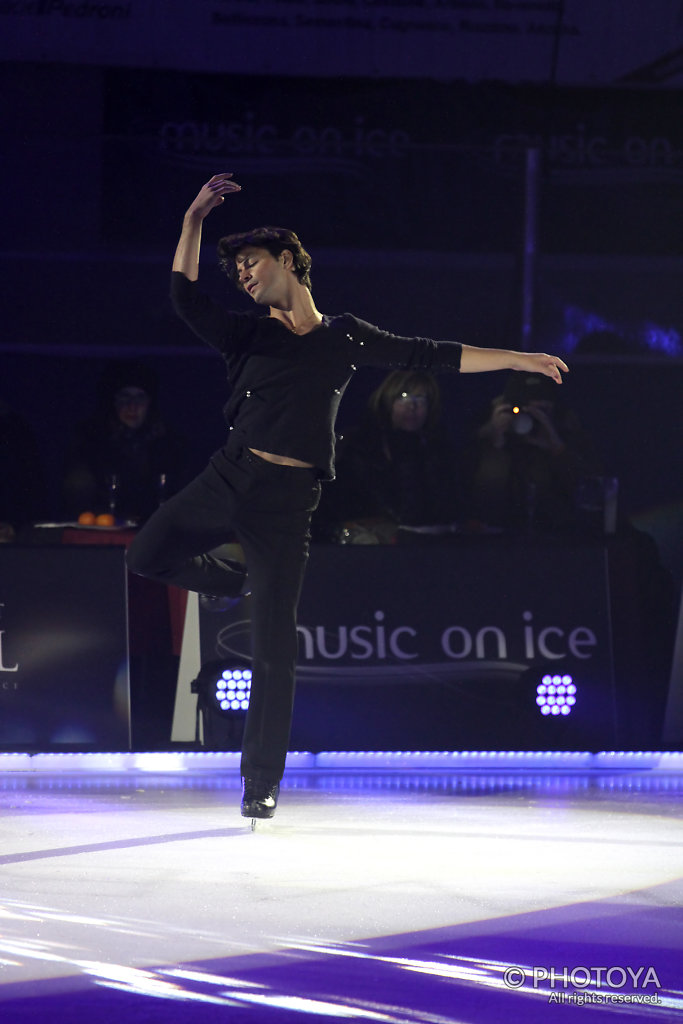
{"points": [[105, 519], [87, 519]]}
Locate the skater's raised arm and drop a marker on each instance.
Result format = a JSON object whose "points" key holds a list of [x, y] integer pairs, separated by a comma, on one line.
{"points": [[479, 360], [186, 260], [209, 320]]}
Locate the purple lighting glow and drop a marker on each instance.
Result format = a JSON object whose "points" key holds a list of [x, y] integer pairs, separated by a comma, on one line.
{"points": [[662, 339], [578, 323], [647, 336], [556, 695]]}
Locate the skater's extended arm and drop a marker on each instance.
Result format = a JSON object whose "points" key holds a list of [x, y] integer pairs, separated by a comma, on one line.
{"points": [[186, 260], [380, 348], [479, 360]]}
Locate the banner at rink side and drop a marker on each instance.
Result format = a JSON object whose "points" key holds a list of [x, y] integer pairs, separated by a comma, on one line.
{"points": [[63, 649], [455, 611], [443, 647]]}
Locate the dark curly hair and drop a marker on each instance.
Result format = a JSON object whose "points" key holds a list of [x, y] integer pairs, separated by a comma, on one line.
{"points": [[275, 240]]}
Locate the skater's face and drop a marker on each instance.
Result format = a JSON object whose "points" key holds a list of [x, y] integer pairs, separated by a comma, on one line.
{"points": [[264, 277]]}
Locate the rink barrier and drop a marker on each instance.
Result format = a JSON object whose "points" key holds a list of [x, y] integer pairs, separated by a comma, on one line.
{"points": [[186, 761]]}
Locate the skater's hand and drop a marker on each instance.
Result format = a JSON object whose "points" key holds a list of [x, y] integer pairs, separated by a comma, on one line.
{"points": [[476, 360], [541, 362], [186, 259], [212, 194]]}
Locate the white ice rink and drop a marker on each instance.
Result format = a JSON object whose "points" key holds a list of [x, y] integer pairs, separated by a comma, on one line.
{"points": [[501, 890]]}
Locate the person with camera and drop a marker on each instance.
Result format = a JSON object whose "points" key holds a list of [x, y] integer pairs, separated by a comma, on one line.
{"points": [[288, 369], [527, 459]]}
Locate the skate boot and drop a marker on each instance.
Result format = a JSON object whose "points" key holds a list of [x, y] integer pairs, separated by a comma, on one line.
{"points": [[214, 603], [259, 798]]}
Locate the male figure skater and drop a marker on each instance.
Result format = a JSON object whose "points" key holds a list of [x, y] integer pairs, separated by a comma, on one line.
{"points": [[288, 371]]}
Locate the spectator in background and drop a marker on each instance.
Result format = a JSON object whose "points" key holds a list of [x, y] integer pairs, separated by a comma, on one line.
{"points": [[531, 467], [123, 459], [22, 487], [528, 459], [397, 473]]}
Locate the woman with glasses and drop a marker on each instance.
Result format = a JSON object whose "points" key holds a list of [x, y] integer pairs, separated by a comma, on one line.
{"points": [[397, 474]]}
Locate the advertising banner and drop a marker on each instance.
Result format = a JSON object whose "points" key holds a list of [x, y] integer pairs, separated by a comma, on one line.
{"points": [[63, 649], [392, 166], [445, 645], [570, 41]]}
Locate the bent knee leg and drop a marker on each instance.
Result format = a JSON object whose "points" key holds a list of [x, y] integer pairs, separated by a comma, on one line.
{"points": [[148, 555], [137, 558]]}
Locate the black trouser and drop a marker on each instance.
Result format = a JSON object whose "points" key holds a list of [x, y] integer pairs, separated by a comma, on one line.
{"points": [[268, 507]]}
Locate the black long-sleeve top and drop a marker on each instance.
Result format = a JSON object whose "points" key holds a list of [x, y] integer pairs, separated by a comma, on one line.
{"points": [[286, 388]]}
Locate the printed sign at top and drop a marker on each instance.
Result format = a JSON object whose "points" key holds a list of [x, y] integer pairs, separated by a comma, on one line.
{"points": [[570, 42]]}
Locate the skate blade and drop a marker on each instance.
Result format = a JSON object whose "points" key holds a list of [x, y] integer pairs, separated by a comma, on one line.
{"points": [[264, 824]]}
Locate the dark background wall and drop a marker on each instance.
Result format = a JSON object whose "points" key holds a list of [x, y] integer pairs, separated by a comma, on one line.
{"points": [[408, 187]]}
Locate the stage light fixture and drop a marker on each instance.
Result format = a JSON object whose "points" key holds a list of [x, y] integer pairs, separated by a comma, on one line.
{"points": [[223, 689], [232, 689], [556, 694]]}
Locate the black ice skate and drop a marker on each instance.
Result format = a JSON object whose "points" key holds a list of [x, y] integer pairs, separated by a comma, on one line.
{"points": [[259, 799], [215, 603]]}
